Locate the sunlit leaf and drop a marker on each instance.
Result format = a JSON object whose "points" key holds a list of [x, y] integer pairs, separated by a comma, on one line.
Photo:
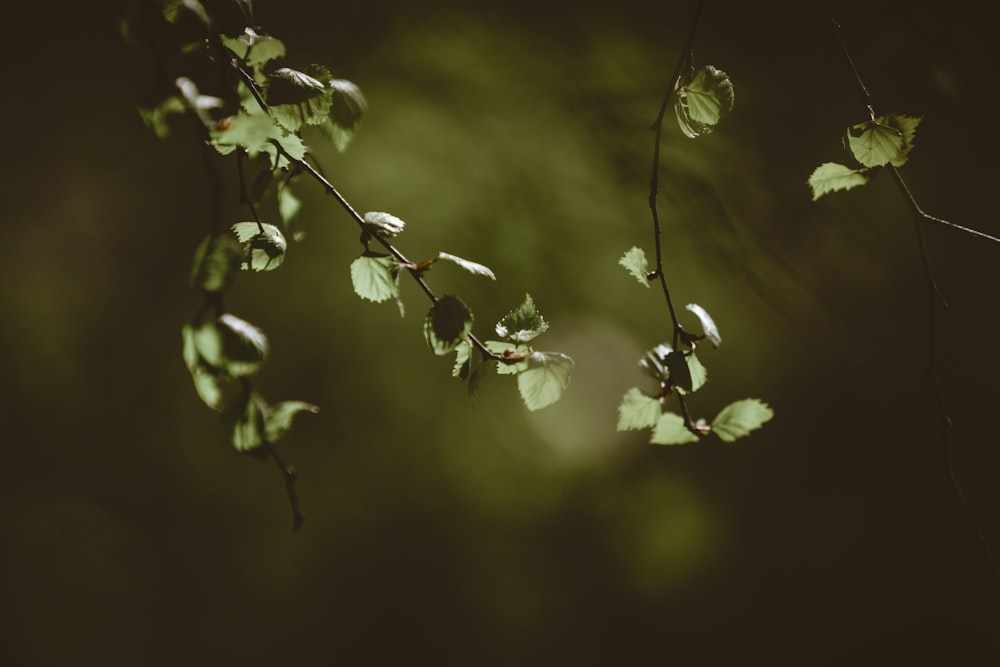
{"points": [[875, 144], [515, 355], [263, 246], [254, 49], [907, 127], [670, 430], [696, 371], [472, 267], [381, 224], [255, 131], [545, 379], [704, 101], [708, 326], [636, 264], [244, 346], [638, 411], [347, 106], [278, 418], [463, 353], [213, 386], [375, 277], [157, 117], [298, 98], [740, 417], [216, 263], [245, 423], [523, 323], [654, 362], [831, 177], [447, 324], [289, 207]]}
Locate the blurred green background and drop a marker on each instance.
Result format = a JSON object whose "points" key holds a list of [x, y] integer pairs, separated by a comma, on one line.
{"points": [[438, 532]]}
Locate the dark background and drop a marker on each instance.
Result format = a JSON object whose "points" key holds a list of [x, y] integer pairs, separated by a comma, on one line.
{"points": [[441, 533]]}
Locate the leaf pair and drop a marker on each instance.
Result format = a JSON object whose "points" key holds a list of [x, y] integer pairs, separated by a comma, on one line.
{"points": [[639, 411]]}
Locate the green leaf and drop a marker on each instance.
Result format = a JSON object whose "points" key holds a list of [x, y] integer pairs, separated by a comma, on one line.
{"points": [[245, 423], [156, 118], [278, 418], [516, 356], [298, 98], [638, 411], [831, 177], [471, 267], [263, 246], [375, 277], [907, 127], [384, 225], [448, 323], [463, 353], [523, 323], [289, 207], [875, 144], [636, 264], [670, 430], [216, 263], [253, 49], [214, 387], [707, 324], [704, 101], [740, 417], [346, 108], [255, 131], [545, 379], [243, 346], [696, 371], [678, 371]]}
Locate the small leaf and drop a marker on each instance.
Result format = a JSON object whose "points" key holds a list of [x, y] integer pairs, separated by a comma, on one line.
{"points": [[831, 177], [245, 423], [375, 277], [254, 49], [670, 430], [696, 371], [516, 356], [346, 108], [678, 370], [638, 411], [263, 246], [636, 264], [545, 379], [243, 346], [289, 207], [653, 363], [875, 144], [255, 133], [216, 263], [447, 324], [740, 417], [471, 267], [707, 324], [384, 225], [523, 323], [298, 98], [907, 126], [463, 353], [156, 117], [214, 387], [278, 418], [703, 102]]}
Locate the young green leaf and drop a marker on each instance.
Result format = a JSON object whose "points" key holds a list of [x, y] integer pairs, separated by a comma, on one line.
{"points": [[156, 117], [907, 127], [447, 324], [740, 417], [545, 379], [263, 246], [243, 346], [472, 267], [384, 225], [289, 207], [255, 133], [253, 49], [213, 386], [375, 277], [516, 355], [245, 423], [875, 144], [703, 102], [523, 323], [831, 177], [638, 411], [636, 264], [298, 98], [346, 108], [278, 418], [696, 371], [216, 263], [463, 353], [670, 430], [707, 324]]}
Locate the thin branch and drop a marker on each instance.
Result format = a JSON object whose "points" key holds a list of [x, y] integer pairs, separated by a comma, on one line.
{"points": [[290, 475]]}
